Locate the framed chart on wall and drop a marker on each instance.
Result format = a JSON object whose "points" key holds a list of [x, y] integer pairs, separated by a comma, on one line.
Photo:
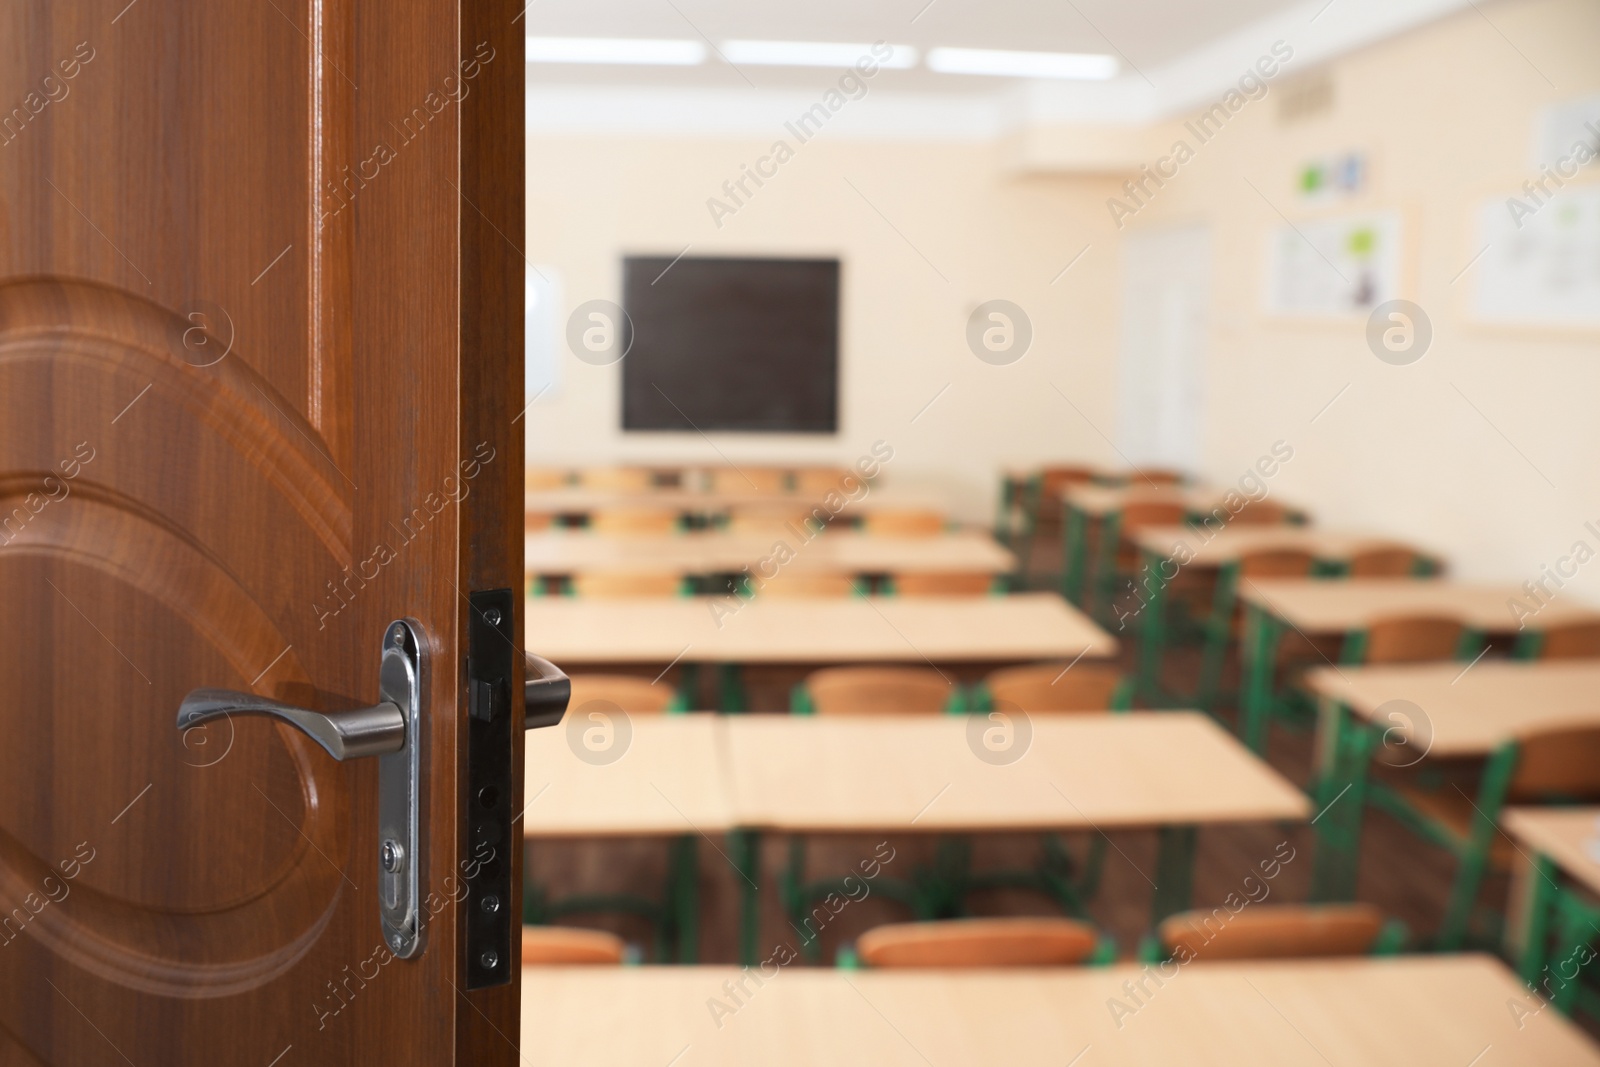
{"points": [[1337, 267], [1540, 264]]}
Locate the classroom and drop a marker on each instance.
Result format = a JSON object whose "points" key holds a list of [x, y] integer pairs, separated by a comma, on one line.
{"points": [[688, 533]]}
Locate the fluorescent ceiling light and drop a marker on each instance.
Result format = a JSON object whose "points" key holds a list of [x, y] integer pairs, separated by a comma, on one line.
{"points": [[815, 54], [1022, 64], [626, 50]]}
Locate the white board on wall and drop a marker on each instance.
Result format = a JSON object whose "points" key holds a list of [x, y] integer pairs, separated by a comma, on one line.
{"points": [[1334, 267], [1541, 269]]}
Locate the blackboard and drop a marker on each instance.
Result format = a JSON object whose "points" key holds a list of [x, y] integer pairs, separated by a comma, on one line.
{"points": [[731, 344]]}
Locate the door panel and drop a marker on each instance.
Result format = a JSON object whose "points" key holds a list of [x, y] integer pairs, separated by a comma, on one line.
{"points": [[260, 367]]}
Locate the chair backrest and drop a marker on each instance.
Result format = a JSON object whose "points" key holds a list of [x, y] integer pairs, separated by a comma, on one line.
{"points": [[1559, 763], [877, 690], [1276, 563], [621, 584], [1272, 931], [1573, 640], [1052, 480], [545, 477], [627, 692], [769, 522], [1154, 476], [816, 481], [558, 945], [619, 479], [1413, 639], [1260, 513], [907, 522], [633, 522], [1055, 687], [747, 479], [943, 583], [793, 585], [1014, 942], [1141, 513], [1384, 562]]}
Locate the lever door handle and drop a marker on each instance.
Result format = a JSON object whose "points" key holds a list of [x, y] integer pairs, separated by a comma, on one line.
{"points": [[375, 731], [545, 694], [392, 730]]}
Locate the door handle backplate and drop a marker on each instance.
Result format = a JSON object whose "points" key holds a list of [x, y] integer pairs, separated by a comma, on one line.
{"points": [[391, 730]]}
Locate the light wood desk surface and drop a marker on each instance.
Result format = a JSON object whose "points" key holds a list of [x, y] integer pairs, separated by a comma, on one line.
{"points": [[835, 551], [1351, 603], [670, 777], [709, 773], [574, 500], [848, 774], [572, 631], [1569, 836], [1213, 548], [1470, 712], [1418, 1011]]}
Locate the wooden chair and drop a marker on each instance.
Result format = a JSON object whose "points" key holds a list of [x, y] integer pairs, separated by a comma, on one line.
{"points": [[766, 522], [544, 946], [908, 522], [1226, 620], [1558, 765], [942, 583], [1046, 687], [1038, 498], [634, 695], [1573, 640], [816, 482], [623, 584], [1387, 561], [1277, 931], [536, 478], [633, 522], [1261, 513], [618, 479], [747, 479], [1153, 476], [793, 585], [1409, 639], [1118, 555], [970, 943], [874, 691]]}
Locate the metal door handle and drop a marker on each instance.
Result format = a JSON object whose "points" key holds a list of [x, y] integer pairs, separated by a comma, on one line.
{"points": [[391, 730], [375, 731], [545, 694]]}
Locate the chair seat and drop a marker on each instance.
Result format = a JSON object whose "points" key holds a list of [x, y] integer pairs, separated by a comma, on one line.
{"points": [[1453, 811]]}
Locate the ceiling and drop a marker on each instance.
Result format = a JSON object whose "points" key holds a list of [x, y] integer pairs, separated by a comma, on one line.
{"points": [[1143, 34]]}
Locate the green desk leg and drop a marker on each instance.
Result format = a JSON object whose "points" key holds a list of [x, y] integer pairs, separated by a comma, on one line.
{"points": [[1102, 579], [1152, 630], [731, 696], [1174, 879], [1339, 793], [1576, 923], [683, 888], [1075, 553], [1259, 652], [745, 849], [1534, 898]]}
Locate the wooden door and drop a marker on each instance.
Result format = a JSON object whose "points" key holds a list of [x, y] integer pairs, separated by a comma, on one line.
{"points": [[260, 382]]}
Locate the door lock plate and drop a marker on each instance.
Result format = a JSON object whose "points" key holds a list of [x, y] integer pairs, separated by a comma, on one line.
{"points": [[494, 725]]}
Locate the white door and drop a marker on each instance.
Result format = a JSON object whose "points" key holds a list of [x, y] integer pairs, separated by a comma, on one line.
{"points": [[1166, 276]]}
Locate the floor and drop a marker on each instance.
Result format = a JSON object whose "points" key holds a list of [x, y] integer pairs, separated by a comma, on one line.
{"points": [[1404, 877]]}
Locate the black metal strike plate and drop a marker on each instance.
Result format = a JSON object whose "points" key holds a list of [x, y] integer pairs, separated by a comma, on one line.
{"points": [[494, 724]]}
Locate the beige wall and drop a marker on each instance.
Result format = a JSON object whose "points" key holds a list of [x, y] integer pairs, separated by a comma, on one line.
{"points": [[1446, 117], [903, 326]]}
